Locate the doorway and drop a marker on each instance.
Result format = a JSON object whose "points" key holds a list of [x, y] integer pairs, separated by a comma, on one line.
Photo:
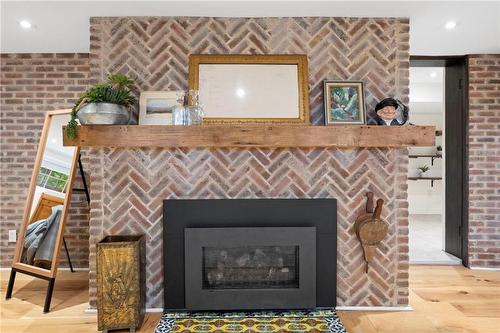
{"points": [[437, 190]]}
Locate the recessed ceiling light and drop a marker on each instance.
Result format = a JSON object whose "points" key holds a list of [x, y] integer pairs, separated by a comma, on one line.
{"points": [[25, 24], [433, 74], [240, 93], [450, 25]]}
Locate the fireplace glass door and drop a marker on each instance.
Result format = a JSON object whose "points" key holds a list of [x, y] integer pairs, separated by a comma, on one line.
{"points": [[250, 268]]}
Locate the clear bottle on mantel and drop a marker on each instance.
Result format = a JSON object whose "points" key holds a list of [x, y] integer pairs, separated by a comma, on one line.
{"points": [[180, 113], [189, 111], [195, 109]]}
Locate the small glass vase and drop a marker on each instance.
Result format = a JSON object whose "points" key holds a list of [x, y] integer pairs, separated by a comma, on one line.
{"points": [[195, 109], [189, 110]]}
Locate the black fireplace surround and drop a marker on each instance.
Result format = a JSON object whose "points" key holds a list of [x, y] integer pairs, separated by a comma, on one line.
{"points": [[249, 254]]}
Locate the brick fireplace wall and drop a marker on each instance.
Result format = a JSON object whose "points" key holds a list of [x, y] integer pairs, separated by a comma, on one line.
{"points": [[484, 160], [128, 185], [30, 85]]}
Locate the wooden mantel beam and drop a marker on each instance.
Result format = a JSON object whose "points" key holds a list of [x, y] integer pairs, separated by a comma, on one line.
{"points": [[248, 136]]}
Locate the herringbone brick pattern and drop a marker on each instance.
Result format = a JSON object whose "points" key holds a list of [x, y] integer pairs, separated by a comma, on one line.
{"points": [[128, 185], [154, 50]]}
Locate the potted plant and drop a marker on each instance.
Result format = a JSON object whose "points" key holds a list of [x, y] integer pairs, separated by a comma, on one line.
{"points": [[439, 150], [422, 170], [105, 103]]}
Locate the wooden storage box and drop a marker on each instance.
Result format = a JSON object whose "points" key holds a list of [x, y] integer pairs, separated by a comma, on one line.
{"points": [[121, 283]]}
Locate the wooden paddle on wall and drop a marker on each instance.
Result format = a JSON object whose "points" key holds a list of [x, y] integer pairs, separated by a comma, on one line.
{"points": [[370, 228]]}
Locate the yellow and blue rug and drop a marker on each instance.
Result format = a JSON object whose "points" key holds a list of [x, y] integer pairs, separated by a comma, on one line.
{"points": [[314, 321]]}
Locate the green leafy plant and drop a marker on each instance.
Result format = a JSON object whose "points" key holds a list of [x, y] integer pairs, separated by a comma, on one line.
{"points": [[423, 168], [116, 90]]}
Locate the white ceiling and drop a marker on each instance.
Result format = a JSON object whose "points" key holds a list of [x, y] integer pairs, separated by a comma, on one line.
{"points": [[63, 26]]}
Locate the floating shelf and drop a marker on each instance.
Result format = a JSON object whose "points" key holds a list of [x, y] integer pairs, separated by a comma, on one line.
{"points": [[417, 156], [432, 179], [431, 156], [425, 178], [247, 136]]}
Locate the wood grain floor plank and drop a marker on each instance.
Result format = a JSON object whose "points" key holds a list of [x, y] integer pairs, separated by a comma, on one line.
{"points": [[445, 299], [357, 322]]}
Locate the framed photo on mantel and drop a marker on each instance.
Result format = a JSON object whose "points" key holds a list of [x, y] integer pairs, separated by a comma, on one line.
{"points": [[344, 102], [251, 88], [156, 107]]}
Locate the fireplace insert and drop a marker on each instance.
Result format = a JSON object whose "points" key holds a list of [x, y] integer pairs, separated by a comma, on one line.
{"points": [[250, 268], [241, 254]]}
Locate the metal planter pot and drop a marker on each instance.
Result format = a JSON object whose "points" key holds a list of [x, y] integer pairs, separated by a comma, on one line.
{"points": [[103, 114]]}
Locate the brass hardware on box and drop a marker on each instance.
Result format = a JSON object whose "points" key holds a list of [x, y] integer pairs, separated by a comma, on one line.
{"points": [[370, 228]]}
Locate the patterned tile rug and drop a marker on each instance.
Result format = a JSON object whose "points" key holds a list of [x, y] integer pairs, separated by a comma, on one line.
{"points": [[317, 321]]}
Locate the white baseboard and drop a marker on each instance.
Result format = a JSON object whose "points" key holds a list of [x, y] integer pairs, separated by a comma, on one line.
{"points": [[493, 269], [338, 308], [373, 308], [154, 310], [436, 262], [90, 310]]}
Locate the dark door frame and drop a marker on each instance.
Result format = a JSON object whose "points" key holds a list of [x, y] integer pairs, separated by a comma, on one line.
{"points": [[448, 61]]}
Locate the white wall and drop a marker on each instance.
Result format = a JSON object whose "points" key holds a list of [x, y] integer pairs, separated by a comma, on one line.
{"points": [[426, 108], [422, 198]]}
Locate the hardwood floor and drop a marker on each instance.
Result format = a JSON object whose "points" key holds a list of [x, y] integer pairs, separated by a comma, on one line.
{"points": [[445, 299], [449, 299]]}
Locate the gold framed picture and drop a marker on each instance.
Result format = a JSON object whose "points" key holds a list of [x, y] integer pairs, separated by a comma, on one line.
{"points": [[156, 107], [251, 88], [344, 102]]}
